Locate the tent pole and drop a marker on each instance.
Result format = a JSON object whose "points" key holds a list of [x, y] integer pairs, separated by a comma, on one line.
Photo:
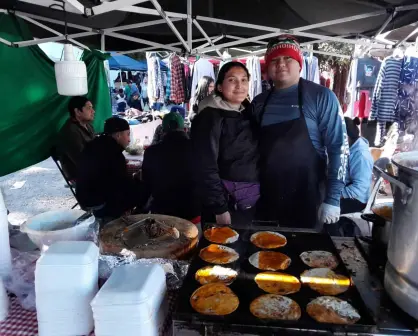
{"points": [[139, 25], [138, 40], [240, 38], [170, 24], [152, 48], [102, 42], [2, 40], [407, 37], [277, 30], [51, 30], [106, 7], [343, 20], [199, 27], [53, 39], [213, 40], [149, 11], [189, 25], [233, 43]]}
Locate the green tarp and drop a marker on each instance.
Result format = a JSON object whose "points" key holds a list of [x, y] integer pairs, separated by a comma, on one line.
{"points": [[31, 111]]}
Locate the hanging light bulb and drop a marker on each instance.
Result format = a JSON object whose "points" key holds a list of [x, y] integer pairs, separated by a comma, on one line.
{"points": [[70, 74]]}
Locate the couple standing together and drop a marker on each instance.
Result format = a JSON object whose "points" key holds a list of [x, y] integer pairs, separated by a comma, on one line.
{"points": [[282, 157]]}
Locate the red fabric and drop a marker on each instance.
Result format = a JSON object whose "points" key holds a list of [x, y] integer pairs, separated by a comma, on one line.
{"points": [[363, 106], [196, 220], [177, 92]]}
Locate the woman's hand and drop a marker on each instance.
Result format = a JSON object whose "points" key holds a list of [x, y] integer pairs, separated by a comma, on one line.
{"points": [[224, 218]]}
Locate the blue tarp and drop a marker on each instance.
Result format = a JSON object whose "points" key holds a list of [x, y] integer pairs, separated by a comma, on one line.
{"points": [[125, 63]]}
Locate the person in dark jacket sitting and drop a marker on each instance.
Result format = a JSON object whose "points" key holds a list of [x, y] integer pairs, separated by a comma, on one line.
{"points": [[168, 173], [226, 149], [103, 178]]}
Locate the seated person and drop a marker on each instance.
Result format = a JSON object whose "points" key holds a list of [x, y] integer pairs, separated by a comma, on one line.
{"points": [[135, 102], [168, 173], [103, 177], [75, 134], [360, 169], [121, 101]]}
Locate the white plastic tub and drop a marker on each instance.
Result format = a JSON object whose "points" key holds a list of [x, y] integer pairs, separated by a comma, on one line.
{"points": [[52, 226]]}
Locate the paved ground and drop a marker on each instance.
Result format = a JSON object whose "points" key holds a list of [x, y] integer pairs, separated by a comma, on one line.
{"points": [[44, 190]]}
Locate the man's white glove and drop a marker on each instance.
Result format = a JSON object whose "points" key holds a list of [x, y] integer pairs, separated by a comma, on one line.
{"points": [[328, 214]]}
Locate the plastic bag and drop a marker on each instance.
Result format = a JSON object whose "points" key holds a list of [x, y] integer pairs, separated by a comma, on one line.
{"points": [[21, 281]]}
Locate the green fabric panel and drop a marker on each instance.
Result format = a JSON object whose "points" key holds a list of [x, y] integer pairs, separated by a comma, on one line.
{"points": [[31, 110]]}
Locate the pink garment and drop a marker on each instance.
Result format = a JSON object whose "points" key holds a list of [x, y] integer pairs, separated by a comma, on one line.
{"points": [[363, 106]]}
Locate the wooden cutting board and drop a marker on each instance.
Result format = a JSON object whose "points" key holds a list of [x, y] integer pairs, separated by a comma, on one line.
{"points": [[149, 236]]}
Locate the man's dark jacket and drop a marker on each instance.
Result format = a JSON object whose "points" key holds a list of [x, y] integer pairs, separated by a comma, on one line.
{"points": [[103, 178]]}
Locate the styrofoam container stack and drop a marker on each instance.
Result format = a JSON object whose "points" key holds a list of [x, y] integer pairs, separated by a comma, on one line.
{"points": [[66, 280], [135, 291], [4, 302]]}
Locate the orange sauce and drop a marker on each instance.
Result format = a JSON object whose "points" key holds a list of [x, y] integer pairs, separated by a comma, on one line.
{"points": [[273, 260], [219, 235], [268, 240]]}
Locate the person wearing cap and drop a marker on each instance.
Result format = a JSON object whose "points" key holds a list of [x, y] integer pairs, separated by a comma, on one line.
{"points": [[159, 132], [168, 173], [135, 102], [356, 191], [303, 143], [103, 178]]}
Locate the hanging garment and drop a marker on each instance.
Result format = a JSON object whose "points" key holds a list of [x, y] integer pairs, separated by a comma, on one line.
{"points": [[254, 68], [201, 68], [367, 72], [364, 104], [290, 172], [407, 107], [351, 87], [385, 94], [177, 90], [155, 81]]}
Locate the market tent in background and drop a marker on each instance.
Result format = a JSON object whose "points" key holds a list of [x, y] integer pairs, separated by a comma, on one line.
{"points": [[32, 111], [125, 63]]}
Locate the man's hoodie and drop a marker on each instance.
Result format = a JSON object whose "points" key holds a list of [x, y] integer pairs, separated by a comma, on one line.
{"points": [[360, 170]]}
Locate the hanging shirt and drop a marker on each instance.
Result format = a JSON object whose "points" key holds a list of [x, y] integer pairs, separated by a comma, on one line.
{"points": [[325, 124], [367, 72], [351, 87], [407, 107], [255, 84], [155, 81], [385, 93], [201, 68], [177, 95]]}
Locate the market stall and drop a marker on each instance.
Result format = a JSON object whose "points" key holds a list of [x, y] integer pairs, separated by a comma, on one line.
{"points": [[174, 242]]}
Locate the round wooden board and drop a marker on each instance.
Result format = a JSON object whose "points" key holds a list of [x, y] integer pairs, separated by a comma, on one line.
{"points": [[112, 243]]}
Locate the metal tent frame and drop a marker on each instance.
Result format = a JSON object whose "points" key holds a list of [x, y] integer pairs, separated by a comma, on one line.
{"points": [[187, 43]]}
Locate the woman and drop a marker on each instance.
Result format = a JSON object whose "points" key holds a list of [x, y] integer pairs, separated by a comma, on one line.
{"points": [[226, 149], [360, 169], [205, 87]]}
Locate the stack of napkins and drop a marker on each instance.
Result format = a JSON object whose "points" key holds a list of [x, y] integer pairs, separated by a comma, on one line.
{"points": [[131, 302], [66, 280]]}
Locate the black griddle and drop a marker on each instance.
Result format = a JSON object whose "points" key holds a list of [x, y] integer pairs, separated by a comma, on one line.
{"points": [[247, 290]]}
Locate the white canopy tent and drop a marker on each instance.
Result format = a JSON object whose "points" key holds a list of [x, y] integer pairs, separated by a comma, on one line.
{"points": [[187, 43]]}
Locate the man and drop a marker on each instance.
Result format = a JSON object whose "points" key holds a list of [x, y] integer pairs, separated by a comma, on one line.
{"points": [[302, 129], [75, 134], [103, 179], [168, 172]]}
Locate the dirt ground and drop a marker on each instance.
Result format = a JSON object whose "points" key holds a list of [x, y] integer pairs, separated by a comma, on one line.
{"points": [[43, 190]]}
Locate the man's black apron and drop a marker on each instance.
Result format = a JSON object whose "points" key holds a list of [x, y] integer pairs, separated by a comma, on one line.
{"points": [[290, 172]]}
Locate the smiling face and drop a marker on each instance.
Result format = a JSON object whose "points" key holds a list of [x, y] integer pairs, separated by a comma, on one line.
{"points": [[284, 71], [234, 87]]}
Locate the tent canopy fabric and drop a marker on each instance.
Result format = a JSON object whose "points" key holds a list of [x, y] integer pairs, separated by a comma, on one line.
{"points": [[125, 63], [284, 14]]}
